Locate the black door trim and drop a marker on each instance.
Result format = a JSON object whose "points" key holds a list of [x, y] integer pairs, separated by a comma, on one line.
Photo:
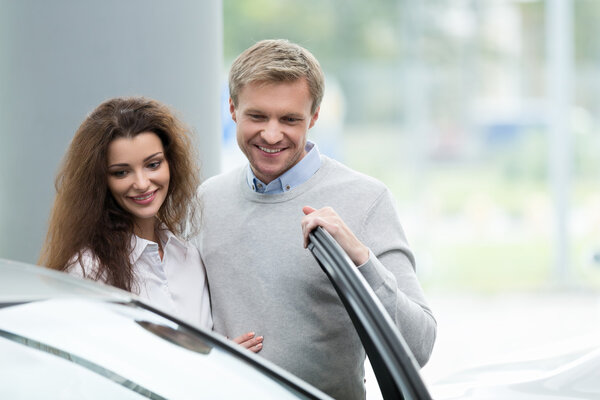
{"points": [[394, 366]]}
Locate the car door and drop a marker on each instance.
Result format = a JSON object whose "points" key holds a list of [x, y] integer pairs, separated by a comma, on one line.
{"points": [[68, 338], [394, 366]]}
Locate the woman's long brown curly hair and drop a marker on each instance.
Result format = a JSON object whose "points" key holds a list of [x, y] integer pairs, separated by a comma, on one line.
{"points": [[86, 217]]}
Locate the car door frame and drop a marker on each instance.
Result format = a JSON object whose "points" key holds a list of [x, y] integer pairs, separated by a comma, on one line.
{"points": [[395, 367]]}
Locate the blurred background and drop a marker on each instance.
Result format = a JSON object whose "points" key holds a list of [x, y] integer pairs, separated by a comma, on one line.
{"points": [[452, 104], [482, 117]]}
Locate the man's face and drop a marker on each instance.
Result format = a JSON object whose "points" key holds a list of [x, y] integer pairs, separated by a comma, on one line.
{"points": [[273, 120]]}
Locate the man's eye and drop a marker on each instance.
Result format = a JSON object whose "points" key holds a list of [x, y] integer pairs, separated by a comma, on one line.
{"points": [[291, 119], [256, 116]]}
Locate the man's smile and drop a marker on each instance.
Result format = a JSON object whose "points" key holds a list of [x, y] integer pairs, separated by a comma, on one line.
{"points": [[266, 150]]}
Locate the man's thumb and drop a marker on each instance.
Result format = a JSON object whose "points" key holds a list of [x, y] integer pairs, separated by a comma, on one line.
{"points": [[307, 210]]}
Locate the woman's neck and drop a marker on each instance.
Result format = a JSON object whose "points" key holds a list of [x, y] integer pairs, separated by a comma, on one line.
{"points": [[146, 229]]}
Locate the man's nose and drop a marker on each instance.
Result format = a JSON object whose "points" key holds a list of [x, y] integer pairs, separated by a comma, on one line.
{"points": [[272, 133]]}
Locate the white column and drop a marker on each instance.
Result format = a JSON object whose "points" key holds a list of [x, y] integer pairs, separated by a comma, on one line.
{"points": [[559, 36]]}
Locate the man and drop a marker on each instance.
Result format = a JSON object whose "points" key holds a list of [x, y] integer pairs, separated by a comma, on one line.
{"points": [[260, 274]]}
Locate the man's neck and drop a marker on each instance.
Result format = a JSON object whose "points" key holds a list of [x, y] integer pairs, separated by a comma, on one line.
{"points": [[295, 176]]}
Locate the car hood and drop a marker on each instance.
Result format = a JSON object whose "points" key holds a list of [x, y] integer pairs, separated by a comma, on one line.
{"points": [[81, 339], [570, 374], [23, 282]]}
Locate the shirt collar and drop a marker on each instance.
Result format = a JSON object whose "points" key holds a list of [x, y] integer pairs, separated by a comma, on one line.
{"points": [[139, 245], [295, 176]]}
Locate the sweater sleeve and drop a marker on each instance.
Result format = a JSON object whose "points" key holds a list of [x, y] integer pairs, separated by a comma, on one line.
{"points": [[390, 271]]}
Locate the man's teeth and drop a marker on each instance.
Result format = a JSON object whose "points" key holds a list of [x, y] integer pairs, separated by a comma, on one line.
{"points": [[269, 150], [144, 197]]}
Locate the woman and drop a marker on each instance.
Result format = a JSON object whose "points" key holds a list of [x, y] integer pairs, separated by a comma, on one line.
{"points": [[125, 197]]}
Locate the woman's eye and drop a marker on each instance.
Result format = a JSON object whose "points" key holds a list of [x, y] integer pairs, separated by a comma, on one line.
{"points": [[119, 174], [154, 165]]}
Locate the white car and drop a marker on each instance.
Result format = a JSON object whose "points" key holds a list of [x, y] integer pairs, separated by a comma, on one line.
{"points": [[68, 338], [572, 372]]}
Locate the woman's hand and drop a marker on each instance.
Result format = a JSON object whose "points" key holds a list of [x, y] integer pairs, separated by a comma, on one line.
{"points": [[250, 341]]}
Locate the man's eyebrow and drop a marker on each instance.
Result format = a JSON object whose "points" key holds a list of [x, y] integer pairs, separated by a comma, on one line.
{"points": [[253, 111], [289, 114], [126, 165]]}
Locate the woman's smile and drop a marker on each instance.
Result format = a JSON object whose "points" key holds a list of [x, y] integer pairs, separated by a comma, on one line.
{"points": [[145, 198]]}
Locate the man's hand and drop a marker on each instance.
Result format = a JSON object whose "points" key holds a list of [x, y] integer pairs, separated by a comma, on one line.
{"points": [[332, 223], [250, 341]]}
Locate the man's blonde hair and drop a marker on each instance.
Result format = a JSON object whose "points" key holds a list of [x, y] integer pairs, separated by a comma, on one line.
{"points": [[277, 60]]}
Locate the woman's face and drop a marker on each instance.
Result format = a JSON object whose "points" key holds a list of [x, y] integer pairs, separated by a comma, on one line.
{"points": [[138, 175]]}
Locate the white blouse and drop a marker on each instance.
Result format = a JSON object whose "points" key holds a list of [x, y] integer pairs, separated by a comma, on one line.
{"points": [[176, 284]]}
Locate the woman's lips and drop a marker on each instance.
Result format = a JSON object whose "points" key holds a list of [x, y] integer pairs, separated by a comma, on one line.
{"points": [[144, 199]]}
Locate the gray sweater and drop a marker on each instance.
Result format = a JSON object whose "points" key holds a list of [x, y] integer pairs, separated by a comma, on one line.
{"points": [[262, 279]]}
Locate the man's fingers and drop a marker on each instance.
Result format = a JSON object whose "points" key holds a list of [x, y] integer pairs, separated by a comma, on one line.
{"points": [[314, 218], [332, 223], [307, 226], [308, 209]]}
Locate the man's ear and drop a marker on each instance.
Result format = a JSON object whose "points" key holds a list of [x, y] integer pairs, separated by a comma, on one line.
{"points": [[232, 110], [314, 118]]}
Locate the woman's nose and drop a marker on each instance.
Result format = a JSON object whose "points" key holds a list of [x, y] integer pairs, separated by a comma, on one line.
{"points": [[141, 181]]}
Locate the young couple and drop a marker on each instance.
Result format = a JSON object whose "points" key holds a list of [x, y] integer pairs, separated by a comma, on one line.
{"points": [[127, 194]]}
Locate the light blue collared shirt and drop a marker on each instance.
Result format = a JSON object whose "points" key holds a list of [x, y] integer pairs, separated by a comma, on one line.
{"points": [[297, 175]]}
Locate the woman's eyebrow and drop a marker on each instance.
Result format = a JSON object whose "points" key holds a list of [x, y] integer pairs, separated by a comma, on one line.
{"points": [[152, 156], [118, 165], [126, 165]]}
